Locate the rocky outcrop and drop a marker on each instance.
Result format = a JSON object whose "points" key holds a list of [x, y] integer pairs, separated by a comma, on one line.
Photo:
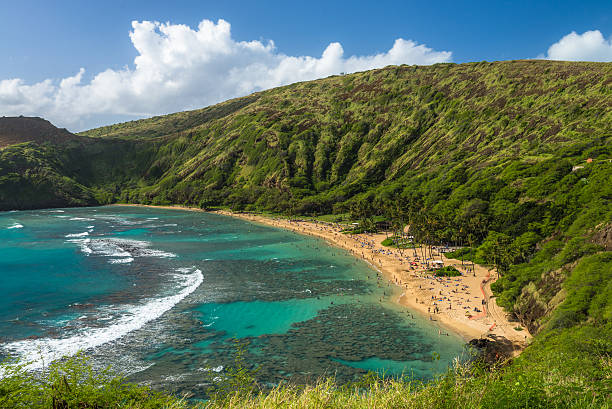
{"points": [[492, 350], [603, 236], [538, 300]]}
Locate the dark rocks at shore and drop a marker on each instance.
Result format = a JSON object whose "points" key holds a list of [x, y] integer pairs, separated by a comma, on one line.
{"points": [[492, 350]]}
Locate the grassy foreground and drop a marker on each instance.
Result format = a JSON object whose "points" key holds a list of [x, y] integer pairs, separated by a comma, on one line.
{"points": [[562, 369]]}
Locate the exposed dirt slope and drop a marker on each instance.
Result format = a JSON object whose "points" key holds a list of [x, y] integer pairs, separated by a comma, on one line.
{"points": [[14, 130]]}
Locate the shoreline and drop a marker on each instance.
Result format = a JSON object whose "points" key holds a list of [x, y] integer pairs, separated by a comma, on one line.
{"points": [[420, 292]]}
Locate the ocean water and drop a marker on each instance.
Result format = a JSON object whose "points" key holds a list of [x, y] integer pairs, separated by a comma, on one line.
{"points": [[162, 294]]}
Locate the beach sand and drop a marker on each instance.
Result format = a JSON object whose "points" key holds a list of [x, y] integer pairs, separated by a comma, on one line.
{"points": [[454, 298]]}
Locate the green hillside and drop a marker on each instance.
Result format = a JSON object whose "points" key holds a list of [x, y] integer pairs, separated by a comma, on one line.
{"points": [[512, 159], [330, 139]]}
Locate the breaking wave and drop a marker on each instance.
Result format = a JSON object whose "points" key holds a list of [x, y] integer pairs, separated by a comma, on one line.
{"points": [[78, 234], [38, 352], [120, 251]]}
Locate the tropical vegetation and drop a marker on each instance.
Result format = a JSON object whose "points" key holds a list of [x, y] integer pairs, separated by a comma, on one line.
{"points": [[509, 162]]}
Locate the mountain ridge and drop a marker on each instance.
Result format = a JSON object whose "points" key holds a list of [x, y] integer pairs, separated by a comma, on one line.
{"points": [[14, 130]]}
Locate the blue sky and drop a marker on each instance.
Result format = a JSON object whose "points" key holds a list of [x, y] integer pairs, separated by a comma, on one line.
{"points": [[43, 42]]}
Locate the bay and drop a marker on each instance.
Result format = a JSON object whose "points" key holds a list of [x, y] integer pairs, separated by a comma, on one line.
{"points": [[161, 295]]}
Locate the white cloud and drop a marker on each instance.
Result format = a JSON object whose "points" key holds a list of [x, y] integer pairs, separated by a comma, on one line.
{"points": [[589, 46], [179, 68]]}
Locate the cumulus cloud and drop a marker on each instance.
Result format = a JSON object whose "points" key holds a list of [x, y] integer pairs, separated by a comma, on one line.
{"points": [[588, 46], [179, 68]]}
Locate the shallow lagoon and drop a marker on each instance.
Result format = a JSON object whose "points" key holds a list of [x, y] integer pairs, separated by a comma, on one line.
{"points": [[160, 294]]}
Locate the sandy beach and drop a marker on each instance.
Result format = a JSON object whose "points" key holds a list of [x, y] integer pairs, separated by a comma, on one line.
{"points": [[464, 304]]}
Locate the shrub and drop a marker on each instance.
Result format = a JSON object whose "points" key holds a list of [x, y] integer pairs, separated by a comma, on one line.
{"points": [[448, 271], [73, 383]]}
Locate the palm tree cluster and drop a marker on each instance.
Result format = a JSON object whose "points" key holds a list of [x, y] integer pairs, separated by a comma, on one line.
{"points": [[415, 225]]}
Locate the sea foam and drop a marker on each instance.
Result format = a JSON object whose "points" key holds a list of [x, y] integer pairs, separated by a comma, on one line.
{"points": [[78, 234], [121, 251], [126, 260], [39, 352]]}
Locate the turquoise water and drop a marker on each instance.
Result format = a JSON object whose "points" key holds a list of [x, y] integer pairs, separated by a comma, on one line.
{"points": [[161, 295], [251, 319], [389, 367]]}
